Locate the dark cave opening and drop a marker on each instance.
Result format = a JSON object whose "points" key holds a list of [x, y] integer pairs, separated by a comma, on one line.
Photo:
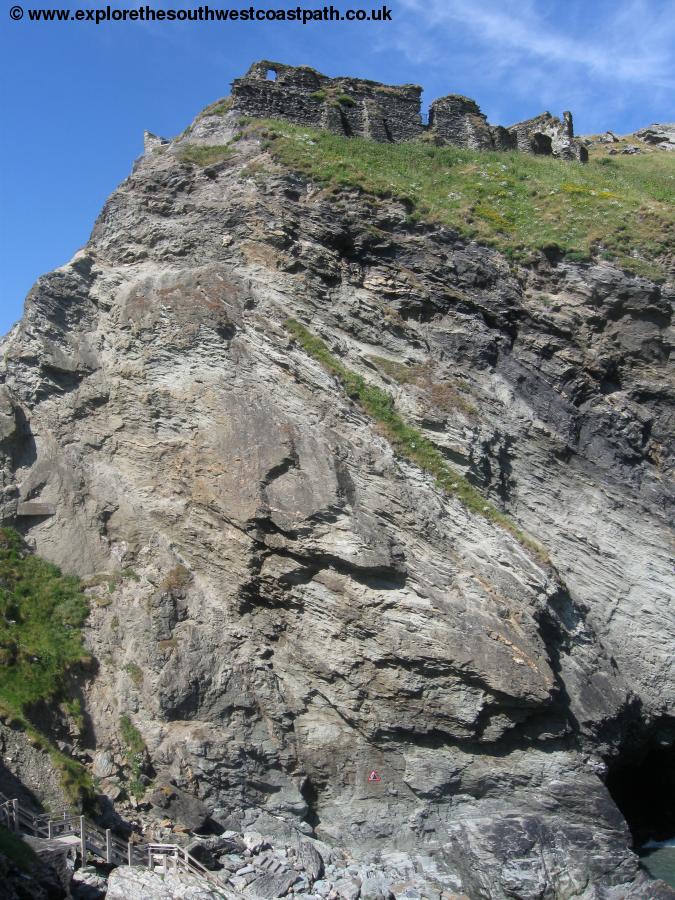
{"points": [[644, 790], [310, 795]]}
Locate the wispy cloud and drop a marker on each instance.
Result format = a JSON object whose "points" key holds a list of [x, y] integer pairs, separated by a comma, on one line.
{"points": [[620, 51]]}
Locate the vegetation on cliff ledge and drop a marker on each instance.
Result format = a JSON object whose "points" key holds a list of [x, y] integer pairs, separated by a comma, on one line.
{"points": [[409, 442], [135, 751], [16, 849], [616, 208], [205, 154], [41, 617]]}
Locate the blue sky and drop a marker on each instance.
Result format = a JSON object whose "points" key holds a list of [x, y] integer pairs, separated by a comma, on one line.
{"points": [[77, 97]]}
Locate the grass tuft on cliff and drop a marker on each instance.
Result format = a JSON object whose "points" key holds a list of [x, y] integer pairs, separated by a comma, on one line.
{"points": [[205, 154], [618, 208], [135, 751], [21, 853], [41, 617], [409, 442]]}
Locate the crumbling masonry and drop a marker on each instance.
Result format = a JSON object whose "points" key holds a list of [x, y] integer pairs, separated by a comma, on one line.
{"points": [[392, 113]]}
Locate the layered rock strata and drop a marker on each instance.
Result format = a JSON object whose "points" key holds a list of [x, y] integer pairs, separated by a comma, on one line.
{"points": [[289, 606]]}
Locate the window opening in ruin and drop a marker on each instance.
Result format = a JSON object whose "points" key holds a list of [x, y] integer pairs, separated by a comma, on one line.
{"points": [[271, 75]]}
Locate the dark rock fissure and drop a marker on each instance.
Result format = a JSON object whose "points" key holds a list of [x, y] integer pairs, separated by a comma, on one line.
{"points": [[643, 787]]}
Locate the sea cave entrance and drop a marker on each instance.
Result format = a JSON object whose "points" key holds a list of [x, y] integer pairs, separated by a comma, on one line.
{"points": [[644, 790]]}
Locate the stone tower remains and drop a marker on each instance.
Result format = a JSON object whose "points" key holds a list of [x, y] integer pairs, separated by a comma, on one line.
{"points": [[391, 113]]}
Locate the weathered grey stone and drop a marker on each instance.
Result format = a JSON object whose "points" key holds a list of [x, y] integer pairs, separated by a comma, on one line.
{"points": [[35, 508], [267, 887], [310, 860], [254, 841], [103, 765], [348, 888], [7, 415], [348, 106], [661, 136], [459, 121], [376, 887], [88, 884], [127, 883], [307, 606], [209, 851], [171, 802], [388, 113], [545, 134], [28, 774], [56, 862]]}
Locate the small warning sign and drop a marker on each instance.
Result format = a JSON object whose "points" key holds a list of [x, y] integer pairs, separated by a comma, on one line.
{"points": [[374, 776]]}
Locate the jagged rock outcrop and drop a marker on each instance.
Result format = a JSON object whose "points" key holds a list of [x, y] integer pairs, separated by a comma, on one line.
{"points": [[391, 113], [661, 136], [294, 606]]}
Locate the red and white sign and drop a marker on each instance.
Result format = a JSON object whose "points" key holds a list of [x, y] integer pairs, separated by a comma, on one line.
{"points": [[374, 776]]}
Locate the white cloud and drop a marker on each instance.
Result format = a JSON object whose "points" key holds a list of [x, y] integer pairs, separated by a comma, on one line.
{"points": [[605, 48]]}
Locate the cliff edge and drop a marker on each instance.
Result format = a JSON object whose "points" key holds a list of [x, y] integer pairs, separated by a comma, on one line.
{"points": [[356, 496]]}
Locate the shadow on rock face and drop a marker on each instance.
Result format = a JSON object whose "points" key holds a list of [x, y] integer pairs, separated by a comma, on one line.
{"points": [[644, 791]]}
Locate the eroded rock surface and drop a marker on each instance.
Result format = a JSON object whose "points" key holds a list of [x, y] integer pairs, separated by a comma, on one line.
{"points": [[127, 883], [287, 605]]}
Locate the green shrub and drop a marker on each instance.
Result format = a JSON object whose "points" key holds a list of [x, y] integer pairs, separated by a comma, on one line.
{"points": [[131, 736], [135, 673], [41, 617], [345, 100], [42, 613], [73, 709], [135, 752]]}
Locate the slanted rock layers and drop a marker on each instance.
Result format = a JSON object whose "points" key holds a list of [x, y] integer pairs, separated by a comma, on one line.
{"points": [[288, 605]]}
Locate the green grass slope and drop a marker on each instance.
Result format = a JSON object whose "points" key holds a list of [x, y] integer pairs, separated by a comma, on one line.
{"points": [[614, 207], [41, 617]]}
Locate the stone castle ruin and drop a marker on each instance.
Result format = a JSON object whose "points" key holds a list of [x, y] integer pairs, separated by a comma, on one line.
{"points": [[392, 113]]}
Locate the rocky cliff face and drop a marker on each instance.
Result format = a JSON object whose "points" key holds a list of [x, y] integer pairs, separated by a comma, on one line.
{"points": [[293, 606]]}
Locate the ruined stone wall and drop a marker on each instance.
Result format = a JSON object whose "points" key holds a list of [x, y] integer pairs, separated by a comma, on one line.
{"points": [[459, 121], [546, 134], [349, 106], [385, 113], [293, 94]]}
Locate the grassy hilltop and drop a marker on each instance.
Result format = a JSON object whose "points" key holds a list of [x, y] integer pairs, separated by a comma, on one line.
{"points": [[614, 207]]}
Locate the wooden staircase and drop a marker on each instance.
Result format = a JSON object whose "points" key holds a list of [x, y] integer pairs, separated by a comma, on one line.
{"points": [[69, 828]]}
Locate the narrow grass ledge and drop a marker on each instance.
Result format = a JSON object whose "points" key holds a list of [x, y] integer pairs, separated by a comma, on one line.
{"points": [[407, 441], [205, 154]]}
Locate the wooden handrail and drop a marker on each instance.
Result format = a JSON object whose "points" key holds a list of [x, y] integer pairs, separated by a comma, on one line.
{"points": [[102, 843]]}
